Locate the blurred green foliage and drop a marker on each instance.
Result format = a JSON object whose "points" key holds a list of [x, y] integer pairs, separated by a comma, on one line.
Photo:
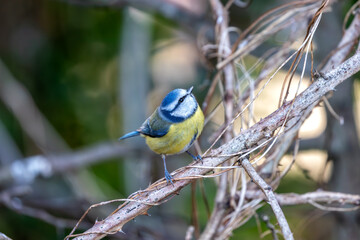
{"points": [[65, 56]]}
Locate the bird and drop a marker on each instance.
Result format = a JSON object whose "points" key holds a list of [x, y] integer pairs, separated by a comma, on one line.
{"points": [[173, 127]]}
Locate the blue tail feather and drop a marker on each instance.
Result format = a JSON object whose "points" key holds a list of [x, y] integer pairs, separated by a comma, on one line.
{"points": [[129, 135]]}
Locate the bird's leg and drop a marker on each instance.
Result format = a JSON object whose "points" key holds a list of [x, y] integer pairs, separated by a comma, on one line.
{"points": [[198, 157], [168, 177]]}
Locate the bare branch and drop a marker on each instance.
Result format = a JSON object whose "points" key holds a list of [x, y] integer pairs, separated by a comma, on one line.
{"points": [[10, 199], [270, 198], [4, 237], [287, 199], [246, 140], [26, 170], [345, 45]]}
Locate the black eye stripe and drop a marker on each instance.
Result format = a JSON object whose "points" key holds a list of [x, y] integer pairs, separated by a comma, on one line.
{"points": [[167, 114], [178, 103]]}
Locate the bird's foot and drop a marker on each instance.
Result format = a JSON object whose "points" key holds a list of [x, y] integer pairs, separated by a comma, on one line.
{"points": [[198, 158], [195, 158], [169, 178]]}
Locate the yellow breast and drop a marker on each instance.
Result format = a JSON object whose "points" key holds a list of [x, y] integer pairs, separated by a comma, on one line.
{"points": [[180, 136]]}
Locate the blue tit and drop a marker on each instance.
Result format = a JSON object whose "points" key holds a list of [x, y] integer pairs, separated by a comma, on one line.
{"points": [[173, 127]]}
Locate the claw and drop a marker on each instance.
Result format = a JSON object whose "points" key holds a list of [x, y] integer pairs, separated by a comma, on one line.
{"points": [[168, 177], [196, 158]]}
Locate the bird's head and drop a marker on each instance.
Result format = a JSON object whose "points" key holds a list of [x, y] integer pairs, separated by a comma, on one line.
{"points": [[178, 105]]}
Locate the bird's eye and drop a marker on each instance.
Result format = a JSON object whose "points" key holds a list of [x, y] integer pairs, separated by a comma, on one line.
{"points": [[181, 99]]}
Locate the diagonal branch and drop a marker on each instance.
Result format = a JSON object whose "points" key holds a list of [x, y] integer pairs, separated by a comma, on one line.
{"points": [[19, 101], [247, 139], [4, 237], [270, 198]]}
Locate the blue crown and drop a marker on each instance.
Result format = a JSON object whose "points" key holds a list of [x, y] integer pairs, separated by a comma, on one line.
{"points": [[172, 96]]}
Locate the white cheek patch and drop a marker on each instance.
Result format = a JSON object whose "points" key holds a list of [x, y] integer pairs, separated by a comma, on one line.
{"points": [[186, 108]]}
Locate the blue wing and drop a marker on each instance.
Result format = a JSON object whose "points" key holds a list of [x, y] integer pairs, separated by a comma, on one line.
{"points": [[155, 126]]}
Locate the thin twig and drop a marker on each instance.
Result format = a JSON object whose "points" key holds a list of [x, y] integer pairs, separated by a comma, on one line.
{"points": [[254, 40], [270, 226]]}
